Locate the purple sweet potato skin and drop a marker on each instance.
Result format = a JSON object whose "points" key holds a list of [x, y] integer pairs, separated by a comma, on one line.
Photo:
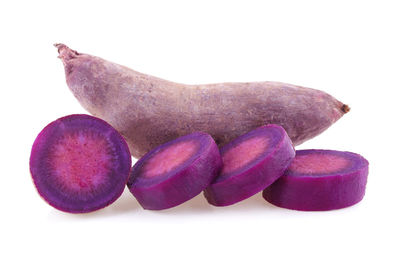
{"points": [[149, 111], [181, 184], [323, 192], [42, 170], [254, 179]]}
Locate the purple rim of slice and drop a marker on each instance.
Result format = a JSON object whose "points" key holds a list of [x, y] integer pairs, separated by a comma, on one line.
{"points": [[336, 181], [79, 164], [254, 175], [181, 182]]}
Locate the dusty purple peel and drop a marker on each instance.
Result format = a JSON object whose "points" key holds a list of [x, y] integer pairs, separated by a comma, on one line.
{"points": [[180, 183], [325, 190], [149, 111], [85, 181], [256, 175]]}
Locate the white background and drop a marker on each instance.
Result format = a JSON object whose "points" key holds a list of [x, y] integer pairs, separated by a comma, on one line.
{"points": [[349, 49]]}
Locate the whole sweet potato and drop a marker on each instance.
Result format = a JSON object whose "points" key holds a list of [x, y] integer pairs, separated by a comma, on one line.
{"points": [[149, 111]]}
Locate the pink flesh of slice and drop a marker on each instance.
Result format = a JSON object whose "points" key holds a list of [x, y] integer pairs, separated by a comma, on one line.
{"points": [[80, 161], [169, 158], [318, 164], [244, 153]]}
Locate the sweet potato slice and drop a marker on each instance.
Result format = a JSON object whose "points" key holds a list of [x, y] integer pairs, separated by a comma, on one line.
{"points": [[251, 162], [319, 180], [79, 164], [175, 171]]}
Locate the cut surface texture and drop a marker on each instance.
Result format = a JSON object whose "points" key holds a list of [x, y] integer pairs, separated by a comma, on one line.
{"points": [[243, 153], [319, 180], [251, 162], [79, 164], [175, 171], [169, 158]]}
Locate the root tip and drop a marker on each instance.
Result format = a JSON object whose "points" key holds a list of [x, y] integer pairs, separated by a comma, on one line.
{"points": [[345, 108], [65, 53]]}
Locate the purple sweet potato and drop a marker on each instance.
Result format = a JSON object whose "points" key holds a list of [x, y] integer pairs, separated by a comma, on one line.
{"points": [[79, 164], [251, 162], [319, 180], [150, 111], [175, 171]]}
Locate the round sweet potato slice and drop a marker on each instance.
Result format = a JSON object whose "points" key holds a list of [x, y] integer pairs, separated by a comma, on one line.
{"points": [[79, 164], [251, 162], [319, 180], [175, 171]]}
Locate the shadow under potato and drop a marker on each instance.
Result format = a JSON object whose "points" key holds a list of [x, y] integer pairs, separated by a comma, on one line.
{"points": [[198, 205], [126, 203]]}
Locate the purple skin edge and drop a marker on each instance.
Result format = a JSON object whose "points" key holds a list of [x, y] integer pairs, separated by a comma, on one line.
{"points": [[253, 177], [181, 183], [43, 184], [321, 192]]}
